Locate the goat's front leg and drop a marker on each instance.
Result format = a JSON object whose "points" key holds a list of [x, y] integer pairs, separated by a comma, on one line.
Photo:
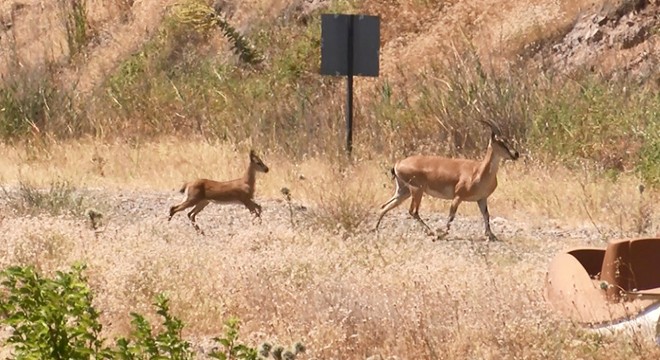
{"points": [[483, 207], [254, 208], [414, 209]]}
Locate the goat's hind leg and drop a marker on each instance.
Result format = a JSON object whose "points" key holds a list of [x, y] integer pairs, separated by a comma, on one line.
{"points": [[400, 195], [192, 215], [180, 207]]}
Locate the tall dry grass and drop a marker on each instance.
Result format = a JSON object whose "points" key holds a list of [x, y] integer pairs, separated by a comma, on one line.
{"points": [[527, 189], [174, 86], [175, 110], [343, 291]]}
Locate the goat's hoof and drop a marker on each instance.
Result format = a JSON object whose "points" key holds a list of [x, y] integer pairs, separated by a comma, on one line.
{"points": [[441, 236], [491, 237]]}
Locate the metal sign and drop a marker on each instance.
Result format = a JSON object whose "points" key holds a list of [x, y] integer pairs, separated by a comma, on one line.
{"points": [[349, 46]]}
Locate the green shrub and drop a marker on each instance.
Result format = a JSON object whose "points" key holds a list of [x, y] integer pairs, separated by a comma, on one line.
{"points": [[56, 319], [231, 348], [144, 344], [51, 318]]}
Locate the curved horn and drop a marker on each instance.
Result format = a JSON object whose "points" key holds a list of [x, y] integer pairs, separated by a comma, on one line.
{"points": [[494, 128]]}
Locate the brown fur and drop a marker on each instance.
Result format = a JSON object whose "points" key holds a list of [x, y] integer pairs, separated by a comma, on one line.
{"points": [[200, 192], [452, 179]]}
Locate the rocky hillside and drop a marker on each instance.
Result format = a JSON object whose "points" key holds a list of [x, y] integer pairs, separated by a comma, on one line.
{"points": [[612, 36], [614, 40]]}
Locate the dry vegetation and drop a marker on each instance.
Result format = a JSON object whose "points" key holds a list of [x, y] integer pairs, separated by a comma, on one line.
{"points": [[326, 280], [98, 140]]}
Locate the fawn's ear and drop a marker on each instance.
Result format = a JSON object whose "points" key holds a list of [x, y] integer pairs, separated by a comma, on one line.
{"points": [[252, 154]]}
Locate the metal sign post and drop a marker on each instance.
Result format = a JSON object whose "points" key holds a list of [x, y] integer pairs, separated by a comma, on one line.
{"points": [[349, 46]]}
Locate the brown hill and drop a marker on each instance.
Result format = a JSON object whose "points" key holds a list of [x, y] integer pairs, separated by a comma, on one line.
{"points": [[613, 36]]}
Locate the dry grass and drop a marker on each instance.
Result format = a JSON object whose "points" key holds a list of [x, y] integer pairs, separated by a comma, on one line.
{"points": [[411, 31], [345, 296], [571, 197], [498, 29], [318, 274]]}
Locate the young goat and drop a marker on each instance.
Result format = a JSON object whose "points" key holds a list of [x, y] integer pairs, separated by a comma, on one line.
{"points": [[200, 192]]}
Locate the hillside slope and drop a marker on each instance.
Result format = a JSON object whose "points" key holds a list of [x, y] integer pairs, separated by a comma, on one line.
{"points": [[612, 36]]}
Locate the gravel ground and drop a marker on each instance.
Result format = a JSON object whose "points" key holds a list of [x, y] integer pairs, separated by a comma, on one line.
{"points": [[136, 252]]}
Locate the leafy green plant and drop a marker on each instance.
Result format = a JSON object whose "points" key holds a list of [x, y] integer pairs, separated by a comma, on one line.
{"points": [[51, 318], [233, 349], [55, 319], [167, 344]]}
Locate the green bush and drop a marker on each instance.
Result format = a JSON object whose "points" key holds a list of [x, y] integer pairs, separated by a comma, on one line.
{"points": [[56, 319], [167, 344], [51, 318]]}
